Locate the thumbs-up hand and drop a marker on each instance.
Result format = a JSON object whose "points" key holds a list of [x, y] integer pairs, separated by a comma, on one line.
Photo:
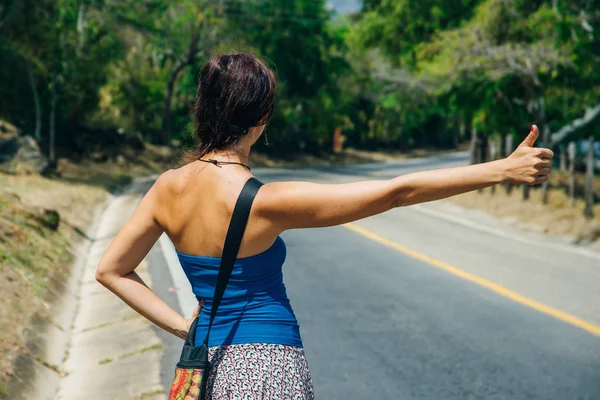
{"points": [[527, 164]]}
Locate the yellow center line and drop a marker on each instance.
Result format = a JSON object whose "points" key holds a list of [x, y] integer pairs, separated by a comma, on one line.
{"points": [[560, 315]]}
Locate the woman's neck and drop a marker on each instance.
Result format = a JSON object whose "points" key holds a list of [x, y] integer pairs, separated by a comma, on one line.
{"points": [[229, 156]]}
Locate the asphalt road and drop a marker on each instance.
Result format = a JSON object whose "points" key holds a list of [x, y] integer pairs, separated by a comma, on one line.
{"points": [[383, 322]]}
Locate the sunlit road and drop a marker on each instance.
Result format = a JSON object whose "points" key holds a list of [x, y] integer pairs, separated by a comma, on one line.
{"points": [[397, 307]]}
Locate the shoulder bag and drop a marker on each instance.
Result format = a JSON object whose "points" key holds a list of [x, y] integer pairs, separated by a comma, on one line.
{"points": [[191, 373]]}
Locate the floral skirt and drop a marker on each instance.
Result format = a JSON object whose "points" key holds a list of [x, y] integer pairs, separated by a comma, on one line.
{"points": [[257, 371]]}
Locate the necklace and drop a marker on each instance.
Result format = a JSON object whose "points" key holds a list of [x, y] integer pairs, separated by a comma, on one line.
{"points": [[217, 163]]}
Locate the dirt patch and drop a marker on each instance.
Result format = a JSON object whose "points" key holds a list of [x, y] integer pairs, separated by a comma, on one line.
{"points": [[555, 218], [36, 259], [306, 160], [120, 170], [392, 155]]}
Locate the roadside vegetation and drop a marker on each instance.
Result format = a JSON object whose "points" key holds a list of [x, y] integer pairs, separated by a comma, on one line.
{"points": [[397, 74], [556, 218], [42, 220]]}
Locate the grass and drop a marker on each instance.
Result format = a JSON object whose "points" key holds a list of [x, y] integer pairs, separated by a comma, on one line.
{"points": [[53, 367], [114, 175], [154, 347], [29, 261], [104, 325], [34, 259], [147, 395], [555, 218]]}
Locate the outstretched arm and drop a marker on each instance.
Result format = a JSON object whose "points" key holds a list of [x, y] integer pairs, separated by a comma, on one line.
{"points": [[292, 205]]}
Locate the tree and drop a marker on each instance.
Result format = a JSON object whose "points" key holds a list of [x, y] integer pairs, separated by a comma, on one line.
{"points": [[399, 27], [192, 30], [502, 64], [307, 54]]}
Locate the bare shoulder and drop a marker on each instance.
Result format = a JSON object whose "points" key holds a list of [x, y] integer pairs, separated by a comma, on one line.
{"points": [[164, 192], [167, 178], [280, 201], [170, 182]]}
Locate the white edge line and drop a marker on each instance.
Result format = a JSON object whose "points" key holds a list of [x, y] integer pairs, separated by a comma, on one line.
{"points": [[185, 296], [505, 234]]}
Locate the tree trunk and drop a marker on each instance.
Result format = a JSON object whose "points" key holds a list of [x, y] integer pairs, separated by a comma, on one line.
{"points": [[508, 149], [81, 22], [183, 62], [38, 106], [455, 137], [481, 152], [589, 181], [545, 139], [492, 150], [526, 191], [52, 138], [571, 174], [168, 99], [563, 159], [337, 140], [474, 147], [81, 25]]}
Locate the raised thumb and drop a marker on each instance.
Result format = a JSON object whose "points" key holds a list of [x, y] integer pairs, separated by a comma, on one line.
{"points": [[531, 138]]}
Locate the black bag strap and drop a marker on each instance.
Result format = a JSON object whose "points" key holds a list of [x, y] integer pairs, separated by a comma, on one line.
{"points": [[233, 239]]}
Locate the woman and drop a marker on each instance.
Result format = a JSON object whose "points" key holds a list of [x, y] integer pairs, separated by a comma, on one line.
{"points": [[255, 339]]}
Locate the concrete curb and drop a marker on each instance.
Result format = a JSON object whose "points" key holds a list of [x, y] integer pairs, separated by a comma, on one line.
{"points": [[113, 352], [39, 374]]}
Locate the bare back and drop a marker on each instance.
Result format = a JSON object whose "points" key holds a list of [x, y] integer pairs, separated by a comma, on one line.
{"points": [[196, 205]]}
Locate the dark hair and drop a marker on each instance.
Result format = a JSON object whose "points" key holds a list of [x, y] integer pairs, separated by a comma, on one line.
{"points": [[235, 93]]}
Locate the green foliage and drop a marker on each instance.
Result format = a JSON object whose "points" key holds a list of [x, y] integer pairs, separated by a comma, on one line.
{"points": [[63, 42], [133, 97], [399, 73], [497, 65], [398, 27], [307, 54]]}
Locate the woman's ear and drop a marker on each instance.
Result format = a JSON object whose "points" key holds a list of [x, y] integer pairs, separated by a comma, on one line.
{"points": [[255, 132]]}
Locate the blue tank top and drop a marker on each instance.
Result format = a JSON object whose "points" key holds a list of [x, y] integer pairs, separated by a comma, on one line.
{"points": [[255, 307]]}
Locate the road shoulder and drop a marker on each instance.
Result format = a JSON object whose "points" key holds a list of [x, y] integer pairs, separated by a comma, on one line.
{"points": [[114, 353]]}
